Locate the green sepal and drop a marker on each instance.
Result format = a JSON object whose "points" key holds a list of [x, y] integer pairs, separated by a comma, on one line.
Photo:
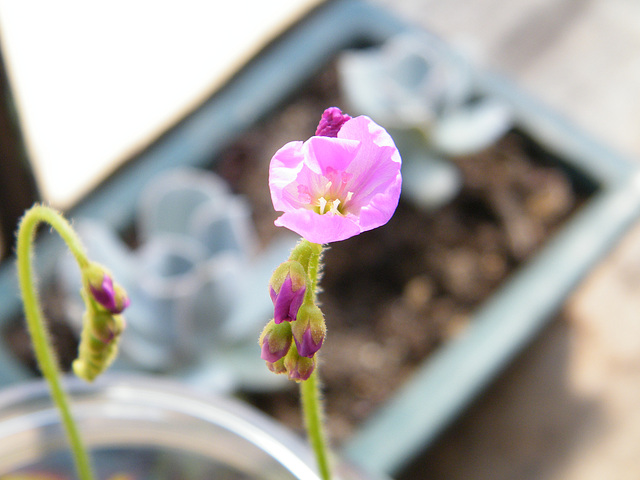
{"points": [[290, 268], [309, 325], [278, 338], [298, 368]]}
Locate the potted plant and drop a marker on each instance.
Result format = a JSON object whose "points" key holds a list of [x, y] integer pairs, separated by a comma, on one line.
{"points": [[449, 379], [343, 181]]}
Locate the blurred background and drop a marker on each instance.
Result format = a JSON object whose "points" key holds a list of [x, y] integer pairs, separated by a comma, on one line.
{"points": [[566, 408]]}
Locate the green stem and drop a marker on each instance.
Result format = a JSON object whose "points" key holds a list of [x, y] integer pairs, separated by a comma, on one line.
{"points": [[312, 410], [37, 329], [313, 268], [312, 407], [309, 254]]}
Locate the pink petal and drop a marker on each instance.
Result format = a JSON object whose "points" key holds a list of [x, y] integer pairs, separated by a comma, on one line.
{"points": [[325, 152], [377, 165], [380, 208], [283, 170], [319, 228]]}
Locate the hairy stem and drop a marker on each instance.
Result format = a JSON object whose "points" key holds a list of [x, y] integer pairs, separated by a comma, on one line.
{"points": [[44, 352], [313, 412], [312, 406]]}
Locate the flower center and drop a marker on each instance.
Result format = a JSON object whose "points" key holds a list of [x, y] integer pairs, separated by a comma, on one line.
{"points": [[328, 206], [335, 196], [330, 195], [332, 205]]}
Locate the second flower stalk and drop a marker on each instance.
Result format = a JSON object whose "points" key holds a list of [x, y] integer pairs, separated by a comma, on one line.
{"points": [[290, 341]]}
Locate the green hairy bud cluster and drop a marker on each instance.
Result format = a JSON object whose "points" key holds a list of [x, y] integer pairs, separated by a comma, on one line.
{"points": [[290, 341]]}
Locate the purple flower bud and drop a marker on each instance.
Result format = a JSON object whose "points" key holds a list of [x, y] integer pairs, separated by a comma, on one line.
{"points": [[106, 296], [106, 327], [98, 343], [272, 356], [110, 296], [298, 368], [277, 367], [308, 347], [331, 122], [287, 288], [275, 341], [309, 330]]}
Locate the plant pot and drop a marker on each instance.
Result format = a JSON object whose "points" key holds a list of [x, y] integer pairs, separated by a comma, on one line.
{"points": [[448, 381], [149, 429]]}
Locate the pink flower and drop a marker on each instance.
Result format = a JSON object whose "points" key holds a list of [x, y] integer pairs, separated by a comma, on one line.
{"points": [[331, 189]]}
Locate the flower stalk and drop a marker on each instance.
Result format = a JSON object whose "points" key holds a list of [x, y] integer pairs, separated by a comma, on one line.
{"points": [[313, 413], [312, 406], [102, 323], [341, 182], [36, 326]]}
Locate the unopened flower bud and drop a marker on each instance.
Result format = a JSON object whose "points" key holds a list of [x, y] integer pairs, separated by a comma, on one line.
{"points": [[287, 288], [299, 368], [103, 291], [98, 344], [275, 341], [309, 330], [331, 122], [277, 367]]}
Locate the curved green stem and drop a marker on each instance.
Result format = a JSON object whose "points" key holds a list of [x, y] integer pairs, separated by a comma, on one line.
{"points": [[33, 312]]}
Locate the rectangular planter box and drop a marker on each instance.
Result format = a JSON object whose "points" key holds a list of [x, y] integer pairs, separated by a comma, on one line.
{"points": [[450, 379]]}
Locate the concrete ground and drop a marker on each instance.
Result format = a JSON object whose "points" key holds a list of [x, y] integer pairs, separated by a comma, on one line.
{"points": [[568, 407]]}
